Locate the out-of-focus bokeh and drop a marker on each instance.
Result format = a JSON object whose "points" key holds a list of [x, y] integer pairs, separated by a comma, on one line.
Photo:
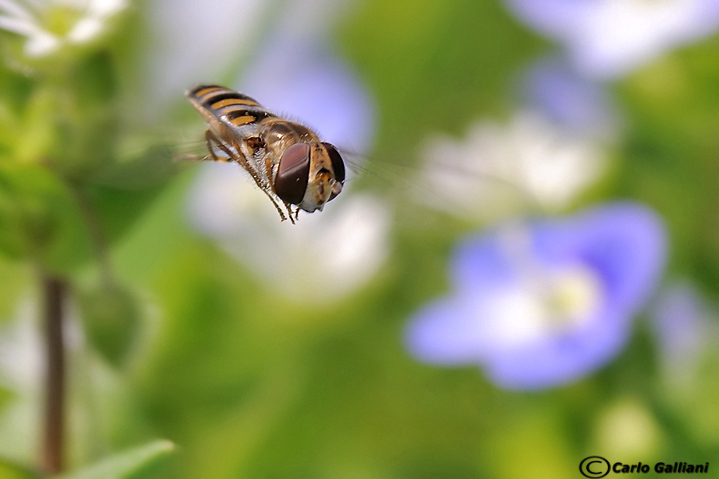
{"points": [[521, 270]]}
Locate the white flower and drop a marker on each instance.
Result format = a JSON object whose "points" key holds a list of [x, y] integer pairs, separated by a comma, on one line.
{"points": [[528, 163], [50, 24], [325, 256], [609, 38]]}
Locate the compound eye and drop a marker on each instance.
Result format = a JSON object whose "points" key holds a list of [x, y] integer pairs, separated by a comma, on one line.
{"points": [[338, 165], [293, 174]]}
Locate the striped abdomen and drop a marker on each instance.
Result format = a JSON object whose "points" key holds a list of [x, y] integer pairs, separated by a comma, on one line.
{"points": [[228, 106]]}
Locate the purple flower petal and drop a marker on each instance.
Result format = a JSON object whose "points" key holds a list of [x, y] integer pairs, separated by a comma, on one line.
{"points": [[440, 334], [546, 303], [563, 358], [554, 88], [623, 242], [682, 323], [609, 38]]}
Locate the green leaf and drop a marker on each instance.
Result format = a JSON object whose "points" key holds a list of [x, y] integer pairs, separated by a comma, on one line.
{"points": [[38, 137], [124, 464], [15, 91], [111, 317], [90, 119], [40, 218]]}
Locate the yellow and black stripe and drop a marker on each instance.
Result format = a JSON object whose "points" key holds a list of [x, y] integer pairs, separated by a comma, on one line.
{"points": [[228, 105]]}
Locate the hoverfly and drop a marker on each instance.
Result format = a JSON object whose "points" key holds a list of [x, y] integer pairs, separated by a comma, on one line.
{"points": [[287, 161]]}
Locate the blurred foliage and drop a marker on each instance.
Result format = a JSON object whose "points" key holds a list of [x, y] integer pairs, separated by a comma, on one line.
{"points": [[14, 471], [40, 218], [131, 464], [110, 320], [671, 155], [250, 384]]}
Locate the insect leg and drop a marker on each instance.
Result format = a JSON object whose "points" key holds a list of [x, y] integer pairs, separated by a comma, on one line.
{"points": [[212, 140], [240, 158], [288, 207]]}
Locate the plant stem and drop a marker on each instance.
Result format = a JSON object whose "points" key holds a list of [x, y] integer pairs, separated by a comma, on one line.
{"points": [[54, 293]]}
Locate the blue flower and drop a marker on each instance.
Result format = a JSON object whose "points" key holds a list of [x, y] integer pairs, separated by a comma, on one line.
{"points": [[555, 88], [609, 38], [546, 303], [684, 327]]}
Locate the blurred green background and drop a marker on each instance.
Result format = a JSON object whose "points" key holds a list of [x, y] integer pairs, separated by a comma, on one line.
{"points": [[184, 343]]}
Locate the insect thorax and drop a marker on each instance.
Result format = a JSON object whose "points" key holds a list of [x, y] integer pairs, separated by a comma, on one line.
{"points": [[278, 135]]}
